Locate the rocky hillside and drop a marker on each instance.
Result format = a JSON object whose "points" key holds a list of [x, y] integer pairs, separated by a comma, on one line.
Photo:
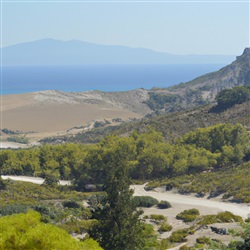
{"points": [[133, 100], [202, 90], [235, 74]]}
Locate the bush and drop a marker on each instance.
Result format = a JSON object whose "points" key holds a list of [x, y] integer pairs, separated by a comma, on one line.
{"points": [[171, 185], [223, 217], [18, 139], [203, 240], [2, 183], [180, 235], [228, 217], [188, 215], [165, 227], [71, 204], [13, 209], [158, 217], [144, 201], [164, 205], [208, 219]]}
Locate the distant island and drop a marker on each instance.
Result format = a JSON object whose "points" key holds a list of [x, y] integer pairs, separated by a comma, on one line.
{"points": [[73, 52]]}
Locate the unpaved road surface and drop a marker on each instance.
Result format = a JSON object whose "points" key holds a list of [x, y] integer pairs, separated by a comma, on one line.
{"points": [[178, 202], [182, 202], [35, 180]]}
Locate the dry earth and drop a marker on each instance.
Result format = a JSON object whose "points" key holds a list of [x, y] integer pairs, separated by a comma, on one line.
{"points": [[205, 206], [49, 113]]}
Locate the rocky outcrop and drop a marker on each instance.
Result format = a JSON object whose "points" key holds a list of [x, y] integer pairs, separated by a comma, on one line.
{"points": [[204, 89], [132, 100], [235, 74]]}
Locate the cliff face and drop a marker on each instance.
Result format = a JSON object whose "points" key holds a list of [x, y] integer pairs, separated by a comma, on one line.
{"points": [[203, 89], [235, 74]]}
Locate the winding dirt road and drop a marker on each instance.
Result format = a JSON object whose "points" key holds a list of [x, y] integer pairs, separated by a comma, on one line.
{"points": [[179, 202]]}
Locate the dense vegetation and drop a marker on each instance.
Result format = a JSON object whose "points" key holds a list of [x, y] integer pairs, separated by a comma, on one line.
{"points": [[26, 231], [223, 146], [171, 125], [192, 161], [230, 97]]}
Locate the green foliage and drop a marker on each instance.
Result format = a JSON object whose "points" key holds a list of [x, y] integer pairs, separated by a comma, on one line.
{"points": [[76, 225], [13, 209], [158, 218], [203, 240], [229, 97], [158, 101], [25, 231], [25, 193], [2, 183], [119, 225], [144, 201], [51, 179], [165, 227], [223, 217], [71, 204], [246, 244], [150, 237], [188, 215], [215, 137], [18, 139], [9, 132], [180, 235], [164, 205], [228, 217]]}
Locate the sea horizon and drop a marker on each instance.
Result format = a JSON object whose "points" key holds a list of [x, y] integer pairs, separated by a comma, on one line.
{"points": [[106, 78]]}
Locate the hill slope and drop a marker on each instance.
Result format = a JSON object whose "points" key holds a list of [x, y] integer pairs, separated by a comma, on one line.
{"points": [[203, 89]]}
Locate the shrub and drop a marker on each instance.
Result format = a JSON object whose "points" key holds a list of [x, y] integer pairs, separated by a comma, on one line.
{"points": [[158, 217], [223, 217], [165, 227], [203, 240], [144, 201], [180, 235], [172, 184], [164, 205], [228, 217], [13, 209], [188, 215], [2, 183], [208, 219], [71, 204], [18, 139]]}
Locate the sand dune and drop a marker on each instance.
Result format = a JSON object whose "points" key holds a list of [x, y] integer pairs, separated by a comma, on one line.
{"points": [[28, 112]]}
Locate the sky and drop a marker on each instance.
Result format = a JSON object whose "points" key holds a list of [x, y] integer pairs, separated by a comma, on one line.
{"points": [[178, 27]]}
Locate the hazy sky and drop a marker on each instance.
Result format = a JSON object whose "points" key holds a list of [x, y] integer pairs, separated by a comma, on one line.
{"points": [[180, 27]]}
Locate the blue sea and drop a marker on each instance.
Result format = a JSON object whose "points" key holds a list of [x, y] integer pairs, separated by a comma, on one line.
{"points": [[99, 77]]}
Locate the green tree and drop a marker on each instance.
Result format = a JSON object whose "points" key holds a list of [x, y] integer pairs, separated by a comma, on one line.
{"points": [[26, 231], [119, 224]]}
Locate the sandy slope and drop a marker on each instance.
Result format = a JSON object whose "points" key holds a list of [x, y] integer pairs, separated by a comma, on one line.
{"points": [[52, 111]]}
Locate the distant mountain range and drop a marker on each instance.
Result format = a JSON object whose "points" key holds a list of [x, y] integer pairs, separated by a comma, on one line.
{"points": [[56, 52]]}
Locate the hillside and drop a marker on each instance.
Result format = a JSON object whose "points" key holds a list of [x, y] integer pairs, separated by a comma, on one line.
{"points": [[203, 89], [50, 111], [57, 112], [171, 125]]}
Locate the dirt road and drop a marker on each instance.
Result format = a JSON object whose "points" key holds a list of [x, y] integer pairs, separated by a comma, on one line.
{"points": [[181, 202]]}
